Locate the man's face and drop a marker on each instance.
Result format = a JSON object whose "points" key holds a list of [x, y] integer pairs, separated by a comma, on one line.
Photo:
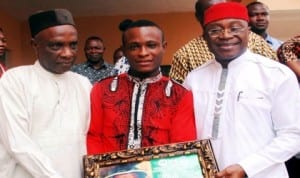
{"points": [[56, 48], [94, 50], [144, 48], [3, 44], [227, 38], [258, 17]]}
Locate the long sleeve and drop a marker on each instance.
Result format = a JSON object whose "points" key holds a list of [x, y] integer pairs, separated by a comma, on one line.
{"points": [[15, 130], [184, 118], [94, 141], [285, 118]]}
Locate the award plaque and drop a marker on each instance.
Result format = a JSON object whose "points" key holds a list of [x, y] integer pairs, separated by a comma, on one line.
{"points": [[193, 159]]}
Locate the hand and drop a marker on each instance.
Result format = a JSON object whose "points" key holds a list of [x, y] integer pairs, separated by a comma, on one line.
{"points": [[233, 171]]}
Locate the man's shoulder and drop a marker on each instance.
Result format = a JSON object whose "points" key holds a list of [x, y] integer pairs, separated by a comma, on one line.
{"points": [[260, 46], [266, 62], [79, 65], [108, 65], [109, 79], [271, 38], [19, 70]]}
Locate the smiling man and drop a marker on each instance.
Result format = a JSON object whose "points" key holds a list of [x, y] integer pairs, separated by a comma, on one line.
{"points": [[238, 100], [95, 68], [140, 108], [259, 18], [44, 107]]}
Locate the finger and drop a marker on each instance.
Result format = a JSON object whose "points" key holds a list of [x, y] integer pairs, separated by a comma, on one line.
{"points": [[221, 174]]}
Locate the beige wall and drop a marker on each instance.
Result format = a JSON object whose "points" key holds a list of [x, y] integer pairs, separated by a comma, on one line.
{"points": [[12, 30], [179, 28], [284, 23]]}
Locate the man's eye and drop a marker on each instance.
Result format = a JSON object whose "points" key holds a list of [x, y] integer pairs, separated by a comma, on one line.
{"points": [[4, 40], [152, 45], [74, 46], [235, 29], [215, 31], [55, 46], [133, 47]]}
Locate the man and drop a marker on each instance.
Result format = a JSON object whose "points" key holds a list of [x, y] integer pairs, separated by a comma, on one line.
{"points": [[238, 100], [259, 18], [95, 68], [195, 52], [140, 108], [3, 48], [118, 54], [44, 107], [289, 54]]}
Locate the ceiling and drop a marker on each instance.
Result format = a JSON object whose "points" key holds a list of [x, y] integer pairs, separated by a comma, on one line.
{"points": [[21, 9]]}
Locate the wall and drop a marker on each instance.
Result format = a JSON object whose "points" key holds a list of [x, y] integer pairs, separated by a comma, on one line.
{"points": [[12, 31], [284, 23], [179, 29]]}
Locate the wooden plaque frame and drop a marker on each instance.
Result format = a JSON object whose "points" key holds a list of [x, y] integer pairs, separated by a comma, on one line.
{"points": [[94, 164]]}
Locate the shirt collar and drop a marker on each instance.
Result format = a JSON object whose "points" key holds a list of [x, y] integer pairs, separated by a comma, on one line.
{"points": [[47, 73], [103, 66], [146, 80]]}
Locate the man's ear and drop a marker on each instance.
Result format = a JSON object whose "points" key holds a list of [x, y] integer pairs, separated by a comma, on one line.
{"points": [[164, 44], [33, 43]]}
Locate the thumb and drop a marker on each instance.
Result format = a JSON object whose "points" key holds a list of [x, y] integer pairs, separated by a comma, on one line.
{"points": [[221, 174]]}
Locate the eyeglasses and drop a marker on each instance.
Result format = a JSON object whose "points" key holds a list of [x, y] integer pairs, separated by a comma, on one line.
{"points": [[216, 32]]}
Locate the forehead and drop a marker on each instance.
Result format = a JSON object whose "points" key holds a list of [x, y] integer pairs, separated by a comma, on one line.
{"points": [[258, 8], [227, 22], [58, 32], [94, 42], [136, 34]]}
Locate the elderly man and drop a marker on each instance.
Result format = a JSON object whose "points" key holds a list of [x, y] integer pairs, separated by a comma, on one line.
{"points": [[195, 52], [238, 100], [44, 107]]}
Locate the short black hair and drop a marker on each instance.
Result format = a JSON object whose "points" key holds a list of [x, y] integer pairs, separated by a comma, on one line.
{"points": [[254, 3], [90, 38], [199, 12], [128, 24]]}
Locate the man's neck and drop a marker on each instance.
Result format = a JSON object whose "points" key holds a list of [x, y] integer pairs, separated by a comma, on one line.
{"points": [[262, 33], [141, 75], [97, 65]]}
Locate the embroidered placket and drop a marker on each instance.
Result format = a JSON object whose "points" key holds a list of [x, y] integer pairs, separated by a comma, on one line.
{"points": [[219, 103]]}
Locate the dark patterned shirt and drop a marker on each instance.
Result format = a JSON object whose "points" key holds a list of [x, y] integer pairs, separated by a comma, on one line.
{"points": [[94, 75]]}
